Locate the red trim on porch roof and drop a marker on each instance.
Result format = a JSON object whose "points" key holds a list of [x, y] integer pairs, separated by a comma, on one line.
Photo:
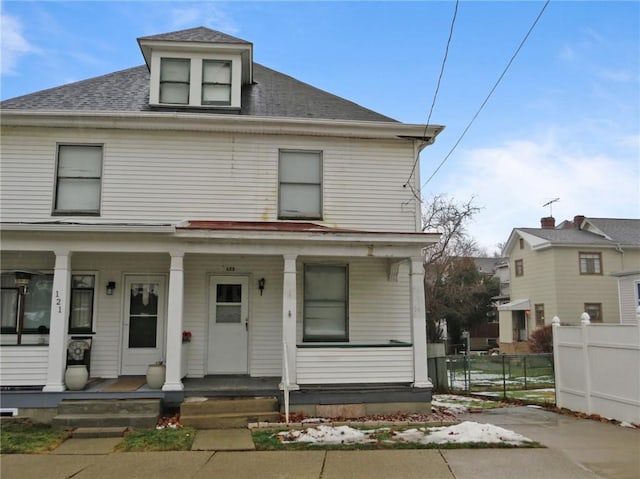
{"points": [[262, 226], [288, 226]]}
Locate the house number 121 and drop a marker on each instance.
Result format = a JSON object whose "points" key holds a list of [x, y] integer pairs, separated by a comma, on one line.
{"points": [[58, 301]]}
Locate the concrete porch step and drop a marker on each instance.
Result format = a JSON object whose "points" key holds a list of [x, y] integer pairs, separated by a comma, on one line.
{"points": [[139, 421], [197, 406], [107, 413], [227, 420], [214, 413]]}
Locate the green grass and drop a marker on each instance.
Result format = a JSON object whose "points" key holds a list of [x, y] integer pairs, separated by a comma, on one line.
{"points": [[145, 440], [23, 438], [266, 440]]}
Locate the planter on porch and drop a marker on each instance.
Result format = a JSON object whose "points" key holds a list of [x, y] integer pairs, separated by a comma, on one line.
{"points": [[75, 377], [156, 376]]}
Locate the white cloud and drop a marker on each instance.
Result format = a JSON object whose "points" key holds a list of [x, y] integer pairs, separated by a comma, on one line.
{"points": [[206, 14], [513, 180], [14, 44]]}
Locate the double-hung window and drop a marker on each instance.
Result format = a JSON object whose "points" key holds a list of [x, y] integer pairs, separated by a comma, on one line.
{"points": [[539, 309], [326, 293], [82, 298], [29, 310], [78, 179], [175, 76], [590, 263], [216, 82], [594, 310], [300, 185], [519, 264]]}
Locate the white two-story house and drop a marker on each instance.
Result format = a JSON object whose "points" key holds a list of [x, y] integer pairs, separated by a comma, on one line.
{"points": [[204, 193]]}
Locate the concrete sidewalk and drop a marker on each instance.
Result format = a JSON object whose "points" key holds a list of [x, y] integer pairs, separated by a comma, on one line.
{"points": [[577, 449]]}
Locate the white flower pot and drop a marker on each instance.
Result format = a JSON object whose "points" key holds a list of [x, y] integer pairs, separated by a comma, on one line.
{"points": [[155, 376], [75, 377]]}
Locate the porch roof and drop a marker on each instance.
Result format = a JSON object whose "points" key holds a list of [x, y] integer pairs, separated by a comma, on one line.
{"points": [[515, 305]]}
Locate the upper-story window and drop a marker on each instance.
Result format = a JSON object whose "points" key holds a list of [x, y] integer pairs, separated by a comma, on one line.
{"points": [[174, 80], [195, 80], [216, 82], [300, 185], [590, 263], [78, 180], [519, 264]]}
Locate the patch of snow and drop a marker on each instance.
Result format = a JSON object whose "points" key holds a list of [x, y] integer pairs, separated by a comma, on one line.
{"points": [[627, 424], [467, 431], [534, 406]]}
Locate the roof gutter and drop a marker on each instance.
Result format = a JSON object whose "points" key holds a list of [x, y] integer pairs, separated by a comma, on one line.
{"points": [[211, 122]]}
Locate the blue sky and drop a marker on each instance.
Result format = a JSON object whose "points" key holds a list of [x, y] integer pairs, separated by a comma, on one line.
{"points": [[563, 123]]}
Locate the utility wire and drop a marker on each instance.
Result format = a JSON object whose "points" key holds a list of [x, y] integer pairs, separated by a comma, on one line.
{"points": [[489, 95], [435, 96]]}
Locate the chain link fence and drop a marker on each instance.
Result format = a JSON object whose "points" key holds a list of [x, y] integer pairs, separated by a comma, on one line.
{"points": [[504, 375]]}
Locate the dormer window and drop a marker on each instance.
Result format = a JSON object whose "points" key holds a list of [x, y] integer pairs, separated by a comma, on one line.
{"points": [[174, 80], [216, 82], [197, 68]]}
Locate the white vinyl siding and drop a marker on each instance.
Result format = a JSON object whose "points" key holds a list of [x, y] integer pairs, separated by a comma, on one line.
{"points": [[169, 177], [354, 365], [23, 365], [78, 179]]}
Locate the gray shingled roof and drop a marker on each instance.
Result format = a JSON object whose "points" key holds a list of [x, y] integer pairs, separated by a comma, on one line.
{"points": [[621, 231], [198, 34], [272, 94]]}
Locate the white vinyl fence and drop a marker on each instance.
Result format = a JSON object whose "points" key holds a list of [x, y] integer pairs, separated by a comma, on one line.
{"points": [[597, 369]]}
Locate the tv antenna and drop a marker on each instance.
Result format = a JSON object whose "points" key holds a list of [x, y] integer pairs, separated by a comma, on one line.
{"points": [[550, 205]]}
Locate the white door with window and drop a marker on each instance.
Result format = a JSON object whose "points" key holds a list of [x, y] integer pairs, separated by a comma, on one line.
{"points": [[228, 325], [144, 323]]}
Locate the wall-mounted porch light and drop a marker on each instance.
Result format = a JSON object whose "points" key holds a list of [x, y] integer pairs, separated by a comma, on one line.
{"points": [[111, 286], [261, 285]]}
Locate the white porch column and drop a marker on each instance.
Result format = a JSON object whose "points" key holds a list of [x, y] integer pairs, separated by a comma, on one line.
{"points": [[418, 325], [60, 296], [289, 315], [173, 380]]}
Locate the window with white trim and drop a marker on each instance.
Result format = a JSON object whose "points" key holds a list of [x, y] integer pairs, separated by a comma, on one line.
{"points": [[326, 292], [175, 74], [82, 303], [78, 180], [300, 184], [216, 82]]}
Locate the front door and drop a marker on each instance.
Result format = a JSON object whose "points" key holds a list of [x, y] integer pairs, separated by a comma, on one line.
{"points": [[144, 321], [228, 325]]}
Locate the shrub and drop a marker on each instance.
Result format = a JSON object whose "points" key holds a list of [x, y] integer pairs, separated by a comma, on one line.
{"points": [[541, 340]]}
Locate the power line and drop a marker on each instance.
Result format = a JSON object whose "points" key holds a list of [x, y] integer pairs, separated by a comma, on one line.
{"points": [[435, 95], [489, 95]]}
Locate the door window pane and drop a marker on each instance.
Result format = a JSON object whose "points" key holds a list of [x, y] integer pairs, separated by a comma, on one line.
{"points": [[143, 315], [228, 303]]}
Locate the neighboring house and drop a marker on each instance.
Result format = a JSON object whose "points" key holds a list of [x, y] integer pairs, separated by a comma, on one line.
{"points": [[564, 271], [629, 294], [203, 192]]}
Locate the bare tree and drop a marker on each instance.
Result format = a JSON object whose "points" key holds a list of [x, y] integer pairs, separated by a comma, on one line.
{"points": [[444, 215]]}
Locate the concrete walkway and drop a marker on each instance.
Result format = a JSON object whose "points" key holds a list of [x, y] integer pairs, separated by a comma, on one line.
{"points": [[576, 449]]}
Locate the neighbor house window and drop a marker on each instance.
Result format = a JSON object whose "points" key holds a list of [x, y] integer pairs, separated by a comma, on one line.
{"points": [[300, 188], [521, 243], [594, 310], [175, 75], [539, 310], [35, 315], [79, 179], [325, 303], [590, 263], [519, 267], [216, 82], [82, 297]]}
